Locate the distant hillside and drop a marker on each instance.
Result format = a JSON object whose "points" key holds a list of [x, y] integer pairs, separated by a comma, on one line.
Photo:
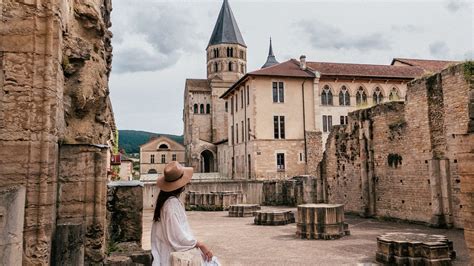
{"points": [[130, 140]]}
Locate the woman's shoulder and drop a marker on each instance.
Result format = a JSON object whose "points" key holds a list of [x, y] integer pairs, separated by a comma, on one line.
{"points": [[171, 203]]}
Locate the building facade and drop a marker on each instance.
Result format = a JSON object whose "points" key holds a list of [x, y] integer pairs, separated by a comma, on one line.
{"points": [[204, 112], [274, 111], [156, 153]]}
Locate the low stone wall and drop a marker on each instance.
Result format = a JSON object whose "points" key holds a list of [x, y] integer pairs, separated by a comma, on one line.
{"points": [[250, 188]]}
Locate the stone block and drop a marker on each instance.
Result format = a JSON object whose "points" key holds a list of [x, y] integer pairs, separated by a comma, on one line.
{"points": [[68, 244], [243, 210], [274, 217], [414, 249], [321, 221]]}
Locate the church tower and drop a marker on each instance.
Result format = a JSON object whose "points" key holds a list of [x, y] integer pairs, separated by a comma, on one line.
{"points": [[226, 51]]}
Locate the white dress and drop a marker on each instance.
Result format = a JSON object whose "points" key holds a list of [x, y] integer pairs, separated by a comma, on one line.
{"points": [[172, 233]]}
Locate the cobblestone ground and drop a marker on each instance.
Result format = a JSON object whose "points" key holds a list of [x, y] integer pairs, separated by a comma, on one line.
{"points": [[237, 241]]}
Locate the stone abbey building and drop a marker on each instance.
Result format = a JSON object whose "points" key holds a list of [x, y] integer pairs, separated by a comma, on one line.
{"points": [[274, 122]]}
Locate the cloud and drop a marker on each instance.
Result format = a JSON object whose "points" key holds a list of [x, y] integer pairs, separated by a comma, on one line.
{"points": [[439, 49], [151, 36], [330, 37], [455, 5], [469, 55], [406, 28]]}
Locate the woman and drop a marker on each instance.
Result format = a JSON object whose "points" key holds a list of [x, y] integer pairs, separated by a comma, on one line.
{"points": [[170, 231]]}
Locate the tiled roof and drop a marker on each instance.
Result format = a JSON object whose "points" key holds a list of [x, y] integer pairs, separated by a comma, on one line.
{"points": [[290, 68], [226, 29], [364, 70], [427, 65], [198, 85]]}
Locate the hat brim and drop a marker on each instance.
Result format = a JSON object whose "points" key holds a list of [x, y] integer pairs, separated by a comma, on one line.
{"points": [[170, 186]]}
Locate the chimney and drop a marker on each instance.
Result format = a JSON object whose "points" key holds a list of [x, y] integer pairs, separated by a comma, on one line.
{"points": [[303, 62]]}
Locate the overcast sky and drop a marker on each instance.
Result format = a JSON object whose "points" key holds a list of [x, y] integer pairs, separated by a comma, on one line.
{"points": [[158, 44]]}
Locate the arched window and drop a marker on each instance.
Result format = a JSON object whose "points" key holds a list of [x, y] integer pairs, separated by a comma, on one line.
{"points": [[163, 147], [377, 96], [361, 96], [195, 108], [230, 66], [344, 97], [326, 96], [230, 52], [208, 108], [216, 67], [201, 109], [394, 96]]}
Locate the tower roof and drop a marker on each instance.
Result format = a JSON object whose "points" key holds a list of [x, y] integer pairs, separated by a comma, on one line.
{"points": [[226, 29], [271, 60]]}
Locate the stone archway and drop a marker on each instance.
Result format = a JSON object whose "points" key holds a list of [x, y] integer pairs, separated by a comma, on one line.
{"points": [[207, 161]]}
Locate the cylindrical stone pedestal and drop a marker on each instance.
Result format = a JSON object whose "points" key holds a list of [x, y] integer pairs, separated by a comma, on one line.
{"points": [[414, 249], [274, 217], [243, 210], [321, 221]]}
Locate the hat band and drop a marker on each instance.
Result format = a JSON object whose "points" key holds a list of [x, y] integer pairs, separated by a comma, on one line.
{"points": [[173, 179]]}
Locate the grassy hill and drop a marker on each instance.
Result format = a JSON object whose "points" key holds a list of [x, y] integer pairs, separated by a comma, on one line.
{"points": [[130, 140]]}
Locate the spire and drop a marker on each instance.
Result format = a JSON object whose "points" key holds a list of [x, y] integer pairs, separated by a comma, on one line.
{"points": [[271, 60], [226, 29]]}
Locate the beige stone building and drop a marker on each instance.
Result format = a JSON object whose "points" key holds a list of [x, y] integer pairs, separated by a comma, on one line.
{"points": [[156, 153], [275, 111], [205, 122], [126, 169]]}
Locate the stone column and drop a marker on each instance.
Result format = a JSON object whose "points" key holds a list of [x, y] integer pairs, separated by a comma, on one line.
{"points": [[440, 193], [12, 215]]}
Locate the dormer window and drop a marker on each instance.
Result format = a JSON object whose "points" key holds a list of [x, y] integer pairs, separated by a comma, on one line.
{"points": [[163, 147]]}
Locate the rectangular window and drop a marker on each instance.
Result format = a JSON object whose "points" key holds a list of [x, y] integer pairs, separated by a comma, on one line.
{"points": [[242, 94], [279, 127], [173, 157], [276, 131], [248, 95], [232, 105], [301, 157], [152, 158], [237, 133], [249, 166], [342, 120], [278, 92], [327, 123], [248, 129], [232, 133], [281, 94], [280, 162], [226, 106], [243, 131], [236, 103], [163, 158]]}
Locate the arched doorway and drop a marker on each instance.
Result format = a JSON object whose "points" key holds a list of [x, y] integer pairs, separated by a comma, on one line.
{"points": [[207, 162]]}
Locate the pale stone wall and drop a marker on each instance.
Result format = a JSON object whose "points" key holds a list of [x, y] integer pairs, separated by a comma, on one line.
{"points": [[126, 169], [152, 147], [400, 159], [55, 60], [239, 63]]}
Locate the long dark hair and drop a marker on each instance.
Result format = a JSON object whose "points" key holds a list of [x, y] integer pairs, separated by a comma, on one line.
{"points": [[161, 199]]}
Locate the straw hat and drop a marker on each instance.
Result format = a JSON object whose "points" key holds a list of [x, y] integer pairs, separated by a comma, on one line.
{"points": [[175, 176]]}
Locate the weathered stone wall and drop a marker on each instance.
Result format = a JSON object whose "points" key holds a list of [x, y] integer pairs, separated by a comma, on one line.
{"points": [[54, 63], [400, 160], [292, 192]]}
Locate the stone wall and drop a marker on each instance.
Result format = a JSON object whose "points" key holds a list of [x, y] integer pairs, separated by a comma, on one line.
{"points": [[55, 60], [400, 160]]}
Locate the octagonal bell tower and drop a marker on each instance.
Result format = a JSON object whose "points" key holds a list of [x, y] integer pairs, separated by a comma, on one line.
{"points": [[226, 51]]}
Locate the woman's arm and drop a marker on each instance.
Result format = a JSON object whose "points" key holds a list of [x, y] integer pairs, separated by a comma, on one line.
{"points": [[205, 250]]}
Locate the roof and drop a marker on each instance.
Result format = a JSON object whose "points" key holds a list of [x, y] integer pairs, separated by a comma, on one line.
{"points": [[427, 65], [161, 138], [365, 70], [198, 85], [271, 60], [226, 29]]}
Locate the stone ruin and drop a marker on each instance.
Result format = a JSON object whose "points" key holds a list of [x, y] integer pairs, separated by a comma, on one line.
{"points": [[56, 130], [243, 210], [274, 217], [321, 221], [297, 190], [400, 248], [213, 201]]}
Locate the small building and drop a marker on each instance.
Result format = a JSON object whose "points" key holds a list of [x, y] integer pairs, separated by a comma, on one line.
{"points": [[126, 168], [156, 153]]}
